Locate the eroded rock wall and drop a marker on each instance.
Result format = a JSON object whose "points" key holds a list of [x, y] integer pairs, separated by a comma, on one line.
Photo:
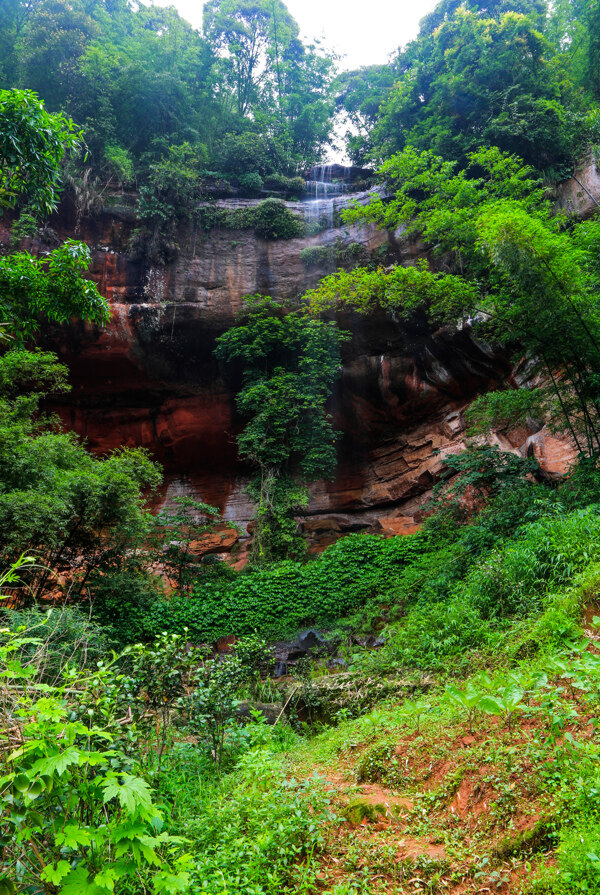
{"points": [[150, 378]]}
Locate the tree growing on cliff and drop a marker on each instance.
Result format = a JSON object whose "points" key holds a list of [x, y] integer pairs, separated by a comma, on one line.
{"points": [[487, 74], [505, 263], [33, 143], [72, 510], [290, 363]]}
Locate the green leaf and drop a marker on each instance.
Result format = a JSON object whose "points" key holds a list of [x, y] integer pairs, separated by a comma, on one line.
{"points": [[491, 705], [78, 882], [57, 763], [55, 873], [133, 793], [107, 878], [73, 836], [513, 696], [171, 882], [21, 782]]}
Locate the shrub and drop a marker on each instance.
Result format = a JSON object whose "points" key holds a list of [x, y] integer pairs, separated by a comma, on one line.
{"points": [[119, 163], [273, 220], [292, 187], [316, 256], [56, 638], [251, 184], [76, 813], [429, 636], [515, 578], [72, 509], [341, 254], [429, 579], [270, 219], [122, 602], [283, 597]]}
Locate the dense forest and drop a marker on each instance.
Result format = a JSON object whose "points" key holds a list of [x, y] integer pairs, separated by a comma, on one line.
{"points": [[412, 713]]}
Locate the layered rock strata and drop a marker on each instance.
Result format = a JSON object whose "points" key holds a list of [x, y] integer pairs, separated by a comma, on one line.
{"points": [[150, 378]]}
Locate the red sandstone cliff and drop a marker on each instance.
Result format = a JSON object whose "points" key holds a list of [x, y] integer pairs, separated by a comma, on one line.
{"points": [[150, 378]]}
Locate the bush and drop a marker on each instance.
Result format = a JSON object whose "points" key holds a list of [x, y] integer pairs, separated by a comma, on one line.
{"points": [[66, 763], [292, 187], [514, 579], [316, 256], [56, 638], [283, 597], [428, 637], [429, 579], [251, 184], [122, 602], [273, 220], [270, 219], [73, 510], [341, 254], [119, 163]]}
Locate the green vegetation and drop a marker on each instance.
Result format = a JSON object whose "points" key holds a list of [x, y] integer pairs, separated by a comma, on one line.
{"points": [[519, 273], [290, 364], [72, 509], [246, 93], [270, 219], [441, 735], [521, 76], [275, 600], [32, 145], [333, 256]]}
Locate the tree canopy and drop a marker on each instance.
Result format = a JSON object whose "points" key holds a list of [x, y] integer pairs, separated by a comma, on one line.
{"points": [[517, 75], [290, 364], [139, 79]]}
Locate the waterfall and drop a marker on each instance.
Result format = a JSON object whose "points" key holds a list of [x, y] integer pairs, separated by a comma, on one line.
{"points": [[324, 184]]}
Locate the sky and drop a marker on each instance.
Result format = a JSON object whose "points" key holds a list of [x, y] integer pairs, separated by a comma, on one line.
{"points": [[362, 33]]}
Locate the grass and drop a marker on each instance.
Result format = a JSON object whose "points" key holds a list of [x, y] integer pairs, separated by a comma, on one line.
{"points": [[415, 796], [463, 756], [444, 809]]}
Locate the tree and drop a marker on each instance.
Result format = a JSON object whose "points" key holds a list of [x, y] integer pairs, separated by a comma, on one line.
{"points": [[56, 500], [56, 38], [73, 511], [290, 364], [51, 288], [14, 16], [278, 82], [507, 266], [140, 80], [305, 102], [482, 74], [33, 143], [32, 146], [359, 96], [251, 35]]}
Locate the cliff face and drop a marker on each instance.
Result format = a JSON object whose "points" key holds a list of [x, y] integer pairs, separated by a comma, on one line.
{"points": [[151, 379], [580, 195]]}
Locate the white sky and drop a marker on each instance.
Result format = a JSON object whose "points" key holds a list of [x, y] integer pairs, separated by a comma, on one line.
{"points": [[363, 33]]}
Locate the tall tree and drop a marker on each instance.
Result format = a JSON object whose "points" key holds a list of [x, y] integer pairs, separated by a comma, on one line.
{"points": [[251, 36], [33, 143], [482, 74], [359, 97], [290, 363]]}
